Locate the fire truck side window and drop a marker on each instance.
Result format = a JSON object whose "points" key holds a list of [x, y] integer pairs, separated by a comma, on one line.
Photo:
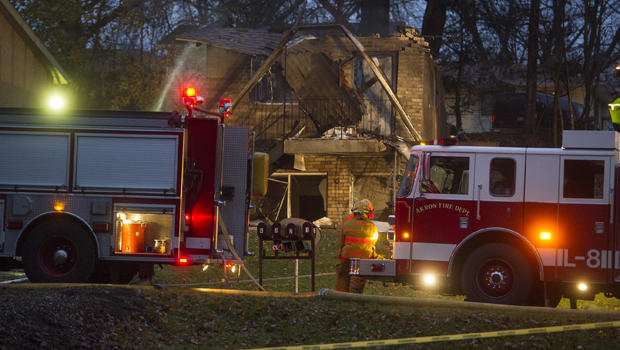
{"points": [[583, 178], [448, 175], [406, 184], [502, 177]]}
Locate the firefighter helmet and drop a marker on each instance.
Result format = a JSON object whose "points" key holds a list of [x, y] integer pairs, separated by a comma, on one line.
{"points": [[363, 206]]}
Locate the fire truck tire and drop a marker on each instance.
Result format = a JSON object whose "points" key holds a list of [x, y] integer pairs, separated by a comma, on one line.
{"points": [[58, 251], [497, 273]]}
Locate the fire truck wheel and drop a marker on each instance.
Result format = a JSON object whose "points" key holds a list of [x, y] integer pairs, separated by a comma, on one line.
{"points": [[497, 273], [60, 252]]}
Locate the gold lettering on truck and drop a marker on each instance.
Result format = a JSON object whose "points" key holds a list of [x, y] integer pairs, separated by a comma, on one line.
{"points": [[442, 205]]}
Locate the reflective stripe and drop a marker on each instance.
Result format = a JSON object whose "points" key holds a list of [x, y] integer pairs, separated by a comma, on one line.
{"points": [[423, 251], [362, 255], [359, 240]]}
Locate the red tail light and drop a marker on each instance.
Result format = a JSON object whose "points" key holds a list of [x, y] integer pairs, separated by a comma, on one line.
{"points": [[183, 260], [188, 220], [228, 265], [14, 225]]}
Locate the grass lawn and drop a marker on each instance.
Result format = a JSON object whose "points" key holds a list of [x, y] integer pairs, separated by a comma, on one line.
{"points": [[189, 317], [278, 275]]}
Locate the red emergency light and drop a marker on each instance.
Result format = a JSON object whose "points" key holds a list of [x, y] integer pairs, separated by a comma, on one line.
{"points": [[190, 100], [226, 107], [183, 260], [189, 92]]}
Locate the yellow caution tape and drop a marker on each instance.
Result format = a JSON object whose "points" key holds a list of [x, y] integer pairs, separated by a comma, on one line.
{"points": [[438, 338]]}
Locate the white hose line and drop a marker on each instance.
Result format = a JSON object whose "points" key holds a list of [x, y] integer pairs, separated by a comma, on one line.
{"points": [[19, 280], [232, 249], [455, 304]]}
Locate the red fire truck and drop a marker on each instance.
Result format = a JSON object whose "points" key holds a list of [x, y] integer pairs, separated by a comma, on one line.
{"points": [[509, 225], [91, 195]]}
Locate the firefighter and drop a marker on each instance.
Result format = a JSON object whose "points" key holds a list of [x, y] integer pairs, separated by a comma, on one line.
{"points": [[614, 110], [357, 240]]}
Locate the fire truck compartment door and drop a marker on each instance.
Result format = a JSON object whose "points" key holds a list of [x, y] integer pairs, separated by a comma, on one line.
{"points": [[234, 186], [499, 190], [127, 162], [34, 159], [444, 214], [584, 217]]}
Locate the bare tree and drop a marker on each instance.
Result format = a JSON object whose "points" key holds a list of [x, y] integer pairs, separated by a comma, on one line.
{"points": [[433, 24], [532, 62]]}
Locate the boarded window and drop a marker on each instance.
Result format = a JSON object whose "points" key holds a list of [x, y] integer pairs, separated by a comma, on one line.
{"points": [[502, 177]]}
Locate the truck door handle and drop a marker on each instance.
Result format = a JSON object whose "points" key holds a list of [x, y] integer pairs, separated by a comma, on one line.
{"points": [[478, 202]]}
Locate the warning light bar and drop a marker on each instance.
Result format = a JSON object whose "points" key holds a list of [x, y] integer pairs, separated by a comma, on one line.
{"points": [[445, 141]]}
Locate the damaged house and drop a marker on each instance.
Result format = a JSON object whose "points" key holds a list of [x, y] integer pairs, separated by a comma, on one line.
{"points": [[336, 111]]}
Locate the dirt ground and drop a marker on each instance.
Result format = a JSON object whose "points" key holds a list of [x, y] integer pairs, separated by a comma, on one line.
{"points": [[60, 318]]}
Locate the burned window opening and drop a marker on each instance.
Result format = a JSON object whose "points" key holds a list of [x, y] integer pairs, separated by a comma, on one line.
{"points": [[378, 117], [272, 88]]}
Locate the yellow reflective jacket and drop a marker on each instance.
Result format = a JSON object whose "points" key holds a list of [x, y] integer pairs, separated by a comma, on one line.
{"points": [[614, 111], [357, 238]]}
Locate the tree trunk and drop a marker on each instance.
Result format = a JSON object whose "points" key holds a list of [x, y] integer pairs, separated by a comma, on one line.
{"points": [[532, 58], [375, 17], [557, 57], [433, 24]]}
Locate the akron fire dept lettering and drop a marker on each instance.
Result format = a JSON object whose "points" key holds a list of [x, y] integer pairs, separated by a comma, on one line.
{"points": [[442, 205]]}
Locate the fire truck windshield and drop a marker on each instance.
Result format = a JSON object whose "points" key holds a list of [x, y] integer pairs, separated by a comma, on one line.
{"points": [[406, 184]]}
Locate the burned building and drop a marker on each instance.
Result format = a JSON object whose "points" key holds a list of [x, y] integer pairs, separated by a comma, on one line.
{"points": [[335, 111]]}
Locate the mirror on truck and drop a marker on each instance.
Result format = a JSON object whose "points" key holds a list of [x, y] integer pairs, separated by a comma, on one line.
{"points": [[426, 184]]}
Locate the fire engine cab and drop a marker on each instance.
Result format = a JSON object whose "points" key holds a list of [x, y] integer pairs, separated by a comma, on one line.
{"points": [[509, 225], [91, 195]]}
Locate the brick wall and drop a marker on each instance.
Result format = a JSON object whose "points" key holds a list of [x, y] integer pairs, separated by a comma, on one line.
{"points": [[340, 173], [415, 83]]}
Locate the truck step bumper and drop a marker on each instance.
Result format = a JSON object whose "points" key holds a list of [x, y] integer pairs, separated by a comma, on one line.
{"points": [[372, 268]]}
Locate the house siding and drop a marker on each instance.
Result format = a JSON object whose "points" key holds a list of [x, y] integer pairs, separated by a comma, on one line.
{"points": [[23, 78]]}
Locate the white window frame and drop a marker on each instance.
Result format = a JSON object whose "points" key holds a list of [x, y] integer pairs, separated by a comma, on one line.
{"points": [[451, 196], [606, 180]]}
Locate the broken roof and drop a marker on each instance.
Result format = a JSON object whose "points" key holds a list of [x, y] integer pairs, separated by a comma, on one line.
{"points": [[244, 40], [261, 41]]}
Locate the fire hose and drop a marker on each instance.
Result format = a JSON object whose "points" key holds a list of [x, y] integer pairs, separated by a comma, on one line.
{"points": [[233, 251]]}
